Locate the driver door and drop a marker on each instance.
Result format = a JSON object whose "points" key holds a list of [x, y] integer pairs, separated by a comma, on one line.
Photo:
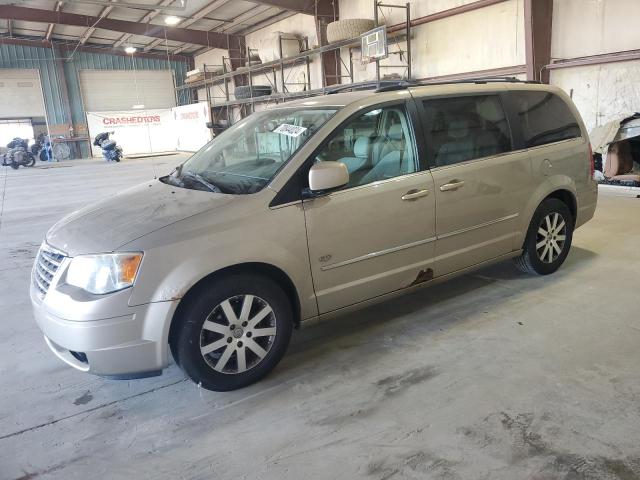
{"points": [[376, 235]]}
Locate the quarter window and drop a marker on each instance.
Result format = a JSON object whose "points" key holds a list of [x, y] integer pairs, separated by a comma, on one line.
{"points": [[376, 145], [545, 118], [465, 128]]}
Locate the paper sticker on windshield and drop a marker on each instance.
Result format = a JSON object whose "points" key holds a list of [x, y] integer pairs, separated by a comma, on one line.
{"points": [[290, 130]]}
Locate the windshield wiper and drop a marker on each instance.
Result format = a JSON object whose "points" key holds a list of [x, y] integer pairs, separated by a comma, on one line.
{"points": [[200, 179]]}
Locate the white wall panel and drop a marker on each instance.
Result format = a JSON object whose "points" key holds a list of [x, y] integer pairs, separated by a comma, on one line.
{"points": [[265, 42], [482, 39], [601, 92], [592, 27]]}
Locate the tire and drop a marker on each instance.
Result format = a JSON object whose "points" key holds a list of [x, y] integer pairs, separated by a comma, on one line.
{"points": [[32, 161], [540, 251], [246, 91], [348, 29], [210, 355]]}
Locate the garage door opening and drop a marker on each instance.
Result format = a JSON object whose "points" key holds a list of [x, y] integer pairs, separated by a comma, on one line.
{"points": [[12, 128]]}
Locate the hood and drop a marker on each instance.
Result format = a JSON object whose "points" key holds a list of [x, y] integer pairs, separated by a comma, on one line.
{"points": [[111, 223]]}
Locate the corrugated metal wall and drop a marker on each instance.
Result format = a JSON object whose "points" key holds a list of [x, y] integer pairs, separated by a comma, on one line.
{"points": [[44, 59], [20, 56]]}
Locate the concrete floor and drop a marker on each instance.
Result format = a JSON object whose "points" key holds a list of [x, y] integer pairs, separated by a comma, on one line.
{"points": [[496, 375]]}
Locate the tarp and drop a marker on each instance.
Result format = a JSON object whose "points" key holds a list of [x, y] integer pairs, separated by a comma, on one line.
{"points": [[615, 131]]}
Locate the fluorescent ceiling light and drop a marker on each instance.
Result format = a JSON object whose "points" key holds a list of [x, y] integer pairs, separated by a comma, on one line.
{"points": [[131, 49], [172, 20], [138, 107]]}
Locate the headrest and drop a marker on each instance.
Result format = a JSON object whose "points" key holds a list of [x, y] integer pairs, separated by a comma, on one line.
{"points": [[490, 110], [395, 132], [362, 147], [458, 128]]}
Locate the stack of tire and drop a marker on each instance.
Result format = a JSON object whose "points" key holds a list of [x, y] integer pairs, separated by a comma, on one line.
{"points": [[348, 29], [247, 91]]}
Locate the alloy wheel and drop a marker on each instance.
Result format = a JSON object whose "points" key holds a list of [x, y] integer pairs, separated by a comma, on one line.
{"points": [[550, 240], [237, 334]]}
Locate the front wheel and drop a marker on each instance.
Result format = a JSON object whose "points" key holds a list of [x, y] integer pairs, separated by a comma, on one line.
{"points": [[232, 332], [548, 239]]}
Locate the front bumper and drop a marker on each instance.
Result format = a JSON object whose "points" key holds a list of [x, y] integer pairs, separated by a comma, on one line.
{"points": [[133, 343]]}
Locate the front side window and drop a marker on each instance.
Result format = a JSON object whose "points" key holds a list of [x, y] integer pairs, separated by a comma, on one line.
{"points": [[545, 118], [376, 145], [465, 128], [245, 158]]}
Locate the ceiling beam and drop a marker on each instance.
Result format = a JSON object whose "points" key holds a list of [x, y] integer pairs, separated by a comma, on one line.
{"points": [[47, 36], [299, 6], [243, 17], [107, 50], [269, 21], [196, 37], [146, 18], [89, 31], [192, 19]]}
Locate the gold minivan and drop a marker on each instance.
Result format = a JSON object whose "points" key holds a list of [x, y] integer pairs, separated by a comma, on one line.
{"points": [[307, 210]]}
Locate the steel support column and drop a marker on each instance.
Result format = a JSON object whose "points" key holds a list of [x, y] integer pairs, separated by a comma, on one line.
{"points": [[327, 11], [537, 28]]}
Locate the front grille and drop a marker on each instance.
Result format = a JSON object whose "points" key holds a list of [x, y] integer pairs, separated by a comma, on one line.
{"points": [[46, 266]]}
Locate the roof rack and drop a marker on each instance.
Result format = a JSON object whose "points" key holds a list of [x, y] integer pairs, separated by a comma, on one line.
{"points": [[370, 85], [391, 85], [480, 80]]}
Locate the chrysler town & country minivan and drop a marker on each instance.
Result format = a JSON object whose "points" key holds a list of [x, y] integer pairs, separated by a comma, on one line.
{"points": [[309, 209]]}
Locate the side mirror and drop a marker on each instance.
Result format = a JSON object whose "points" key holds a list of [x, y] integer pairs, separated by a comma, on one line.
{"points": [[324, 176]]}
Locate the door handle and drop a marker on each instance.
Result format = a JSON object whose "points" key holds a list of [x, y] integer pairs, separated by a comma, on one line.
{"points": [[415, 194], [453, 185]]}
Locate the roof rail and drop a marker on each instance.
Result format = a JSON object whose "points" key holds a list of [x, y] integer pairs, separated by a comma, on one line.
{"points": [[391, 85], [480, 80], [381, 86]]}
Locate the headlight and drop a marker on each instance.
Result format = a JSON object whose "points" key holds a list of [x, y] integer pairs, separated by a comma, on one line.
{"points": [[105, 273]]}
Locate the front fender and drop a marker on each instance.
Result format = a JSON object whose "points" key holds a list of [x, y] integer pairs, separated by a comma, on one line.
{"points": [[180, 255]]}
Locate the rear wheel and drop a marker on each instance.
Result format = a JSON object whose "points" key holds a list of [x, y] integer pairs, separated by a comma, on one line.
{"points": [[233, 332], [548, 239]]}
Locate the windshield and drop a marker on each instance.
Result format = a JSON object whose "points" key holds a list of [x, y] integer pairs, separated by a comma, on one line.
{"points": [[245, 158]]}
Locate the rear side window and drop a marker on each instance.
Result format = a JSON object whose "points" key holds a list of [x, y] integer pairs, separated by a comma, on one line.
{"points": [[465, 128], [545, 118]]}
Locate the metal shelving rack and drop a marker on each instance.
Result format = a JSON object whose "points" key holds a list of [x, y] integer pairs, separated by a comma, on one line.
{"points": [[223, 106]]}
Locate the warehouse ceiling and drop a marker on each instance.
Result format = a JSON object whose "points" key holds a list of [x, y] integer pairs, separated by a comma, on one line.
{"points": [[201, 24]]}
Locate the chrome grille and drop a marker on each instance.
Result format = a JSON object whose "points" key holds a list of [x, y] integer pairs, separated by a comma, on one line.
{"points": [[46, 266]]}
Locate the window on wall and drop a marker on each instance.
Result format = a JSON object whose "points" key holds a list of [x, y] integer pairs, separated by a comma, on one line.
{"points": [[10, 129], [545, 118], [377, 145], [465, 128]]}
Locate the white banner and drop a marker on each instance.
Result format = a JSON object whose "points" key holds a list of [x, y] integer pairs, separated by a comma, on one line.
{"points": [[153, 131], [190, 122], [136, 131]]}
